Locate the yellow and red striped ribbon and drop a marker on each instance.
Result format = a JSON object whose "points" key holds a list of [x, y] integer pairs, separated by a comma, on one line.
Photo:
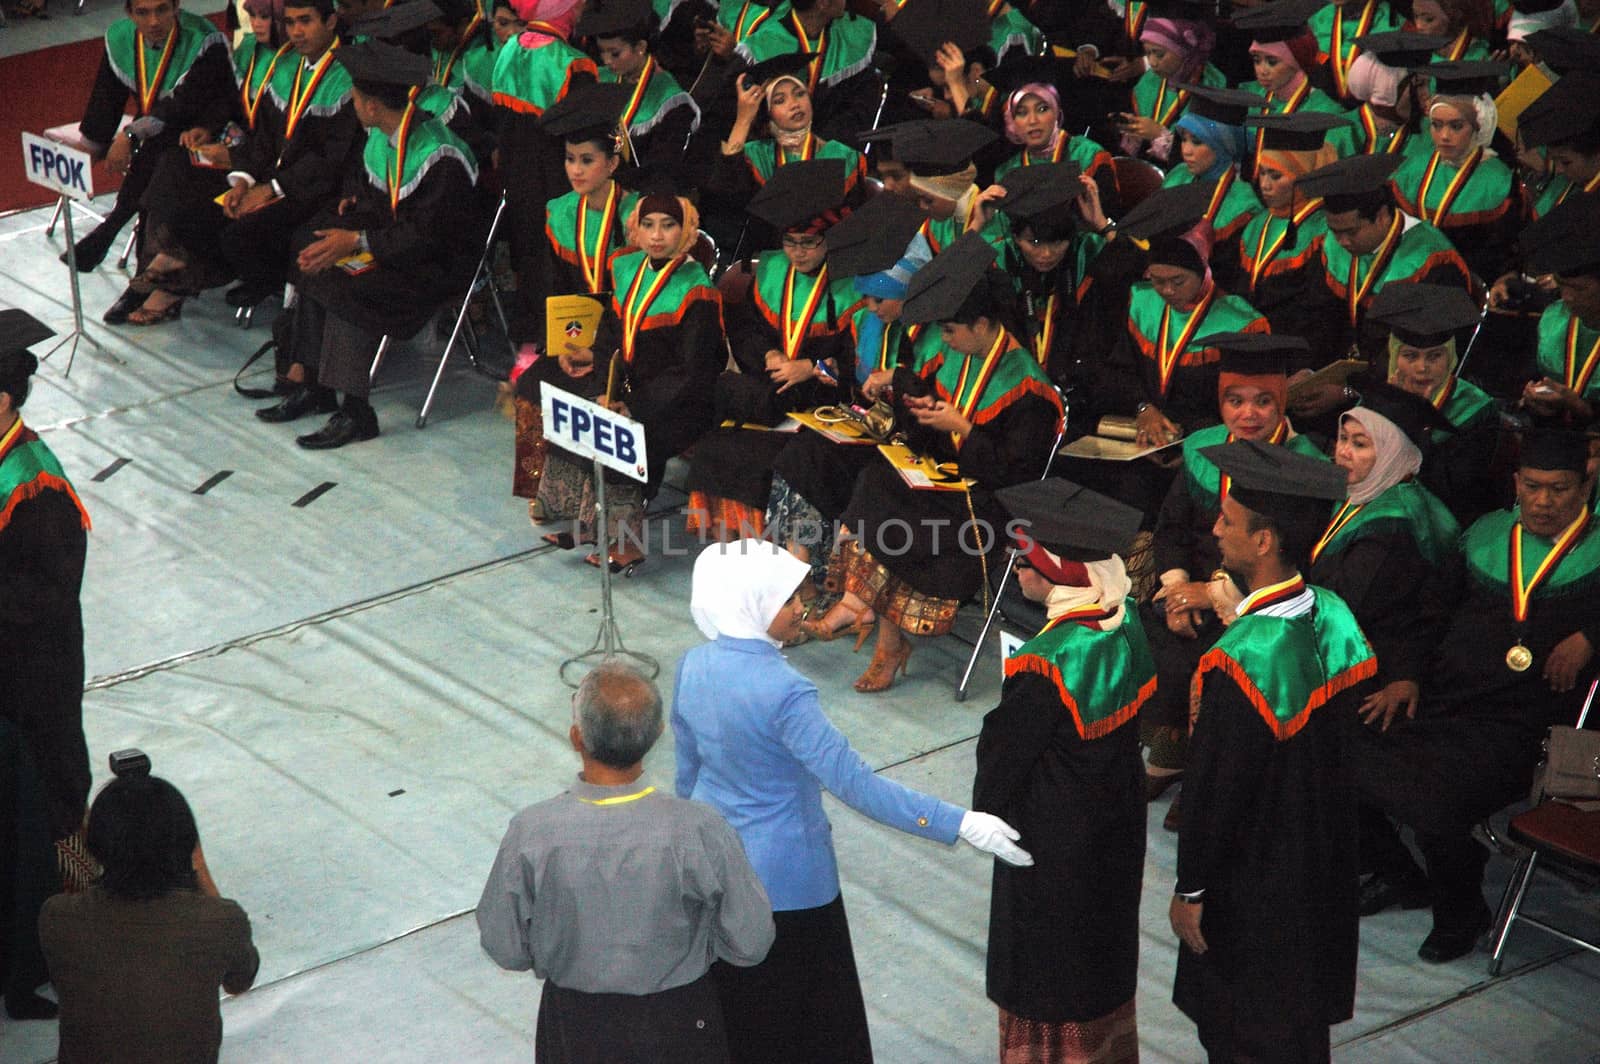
{"points": [[1522, 591]]}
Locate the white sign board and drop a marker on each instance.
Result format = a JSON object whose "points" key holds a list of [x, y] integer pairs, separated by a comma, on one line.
{"points": [[1009, 645], [589, 430], [57, 167]]}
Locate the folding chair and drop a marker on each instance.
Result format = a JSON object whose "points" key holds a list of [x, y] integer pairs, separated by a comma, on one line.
{"points": [[1137, 180], [1566, 839], [133, 239], [1011, 564], [462, 330]]}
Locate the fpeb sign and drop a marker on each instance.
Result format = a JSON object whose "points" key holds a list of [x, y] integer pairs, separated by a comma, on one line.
{"points": [[57, 167], [591, 431]]}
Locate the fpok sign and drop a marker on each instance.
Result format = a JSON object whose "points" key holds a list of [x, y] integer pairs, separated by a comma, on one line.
{"points": [[591, 431], [57, 167]]}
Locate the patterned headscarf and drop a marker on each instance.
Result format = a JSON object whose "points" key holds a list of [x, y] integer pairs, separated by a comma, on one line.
{"points": [[1192, 40], [1047, 93]]}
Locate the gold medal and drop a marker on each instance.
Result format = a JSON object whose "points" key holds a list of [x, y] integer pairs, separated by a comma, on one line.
{"points": [[1519, 658]]}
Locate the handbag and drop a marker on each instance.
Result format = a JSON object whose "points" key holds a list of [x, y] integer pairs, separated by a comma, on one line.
{"points": [[1572, 765]]}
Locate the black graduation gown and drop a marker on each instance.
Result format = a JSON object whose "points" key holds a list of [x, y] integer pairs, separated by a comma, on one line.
{"points": [[1398, 597], [1182, 540], [1467, 470], [533, 172], [1063, 934], [206, 96], [670, 384], [1269, 833], [886, 515], [423, 251], [1475, 741], [41, 647], [735, 463]]}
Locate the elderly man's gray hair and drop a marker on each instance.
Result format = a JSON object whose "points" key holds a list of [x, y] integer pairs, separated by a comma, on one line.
{"points": [[618, 711]]}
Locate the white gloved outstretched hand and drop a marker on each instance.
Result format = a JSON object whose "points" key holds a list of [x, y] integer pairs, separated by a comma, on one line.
{"points": [[992, 835]]}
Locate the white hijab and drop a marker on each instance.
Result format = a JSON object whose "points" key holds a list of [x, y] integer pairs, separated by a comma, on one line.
{"points": [[739, 588], [1108, 587], [1397, 456]]}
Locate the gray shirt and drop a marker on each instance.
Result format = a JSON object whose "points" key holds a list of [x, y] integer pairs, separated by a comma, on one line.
{"points": [[622, 890]]}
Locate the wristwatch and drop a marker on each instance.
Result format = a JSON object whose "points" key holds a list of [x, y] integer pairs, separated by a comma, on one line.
{"points": [[1111, 224]]}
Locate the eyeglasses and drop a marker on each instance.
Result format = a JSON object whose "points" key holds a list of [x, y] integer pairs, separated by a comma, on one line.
{"points": [[802, 243]]}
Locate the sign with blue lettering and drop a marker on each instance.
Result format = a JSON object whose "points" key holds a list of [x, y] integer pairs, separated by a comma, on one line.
{"points": [[589, 430], [57, 167]]}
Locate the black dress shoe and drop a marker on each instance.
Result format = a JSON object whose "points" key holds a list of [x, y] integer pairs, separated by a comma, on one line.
{"points": [[246, 295], [1382, 891], [91, 251], [341, 429], [1447, 944], [298, 404], [128, 302]]}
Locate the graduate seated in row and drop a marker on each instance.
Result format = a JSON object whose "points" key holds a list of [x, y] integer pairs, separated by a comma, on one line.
{"points": [[659, 116], [304, 141], [985, 409], [400, 244], [172, 66], [655, 359]]}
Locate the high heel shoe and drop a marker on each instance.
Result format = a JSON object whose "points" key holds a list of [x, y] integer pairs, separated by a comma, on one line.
{"points": [[860, 624], [171, 312], [880, 674]]}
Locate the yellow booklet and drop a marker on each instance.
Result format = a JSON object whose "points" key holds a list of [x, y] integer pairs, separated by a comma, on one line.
{"points": [[923, 474], [1527, 87], [570, 320]]}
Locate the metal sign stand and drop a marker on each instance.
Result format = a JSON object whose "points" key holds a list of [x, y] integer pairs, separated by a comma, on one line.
{"points": [[77, 332], [608, 641]]}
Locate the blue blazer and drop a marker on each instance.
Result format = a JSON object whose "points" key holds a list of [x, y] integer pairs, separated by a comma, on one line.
{"points": [[752, 740]]}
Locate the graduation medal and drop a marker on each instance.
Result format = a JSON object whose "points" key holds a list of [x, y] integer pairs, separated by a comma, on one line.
{"points": [[1519, 658]]}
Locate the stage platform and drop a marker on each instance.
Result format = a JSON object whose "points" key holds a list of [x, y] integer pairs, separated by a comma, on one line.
{"points": [[357, 688]]}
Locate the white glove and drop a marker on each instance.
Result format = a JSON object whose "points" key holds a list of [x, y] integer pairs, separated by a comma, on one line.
{"points": [[992, 835]]}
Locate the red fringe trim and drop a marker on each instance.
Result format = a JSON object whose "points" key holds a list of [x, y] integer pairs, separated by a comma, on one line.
{"points": [[819, 322], [1099, 729], [1283, 265], [1283, 729], [699, 294], [36, 487], [512, 103]]}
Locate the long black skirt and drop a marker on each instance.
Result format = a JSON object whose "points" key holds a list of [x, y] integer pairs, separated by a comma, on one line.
{"points": [[678, 1026], [803, 1003]]}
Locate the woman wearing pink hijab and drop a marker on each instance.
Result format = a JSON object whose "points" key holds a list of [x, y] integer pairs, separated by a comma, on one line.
{"points": [[1176, 52], [533, 71]]}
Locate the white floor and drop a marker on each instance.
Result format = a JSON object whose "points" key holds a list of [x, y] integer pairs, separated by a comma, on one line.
{"points": [[357, 693]]}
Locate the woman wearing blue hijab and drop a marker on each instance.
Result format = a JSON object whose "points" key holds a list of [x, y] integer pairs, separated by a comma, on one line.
{"points": [[1214, 143]]}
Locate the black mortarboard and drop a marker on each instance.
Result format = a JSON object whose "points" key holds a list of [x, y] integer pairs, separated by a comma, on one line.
{"points": [[1355, 176], [1563, 112], [1300, 131], [1412, 414], [796, 193], [1567, 240], [1256, 354], [1069, 520], [377, 63], [1021, 69], [1552, 449], [1168, 211], [1566, 48], [591, 107], [936, 146], [1188, 10], [1534, 7], [1401, 48], [1465, 77], [874, 237], [1043, 188], [1228, 106], [391, 22], [924, 25], [455, 11], [792, 64], [20, 330], [613, 18], [1423, 315], [1278, 482], [1280, 21], [938, 289]]}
